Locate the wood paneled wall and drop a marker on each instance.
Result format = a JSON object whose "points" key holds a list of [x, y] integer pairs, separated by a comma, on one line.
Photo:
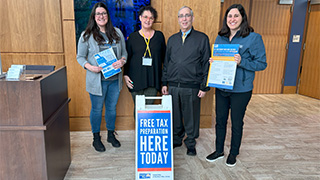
{"points": [[310, 75], [167, 22], [206, 13], [30, 32], [43, 32], [272, 22]]}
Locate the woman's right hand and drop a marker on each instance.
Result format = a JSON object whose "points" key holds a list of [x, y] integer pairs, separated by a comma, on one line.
{"points": [[210, 60], [91, 68], [128, 81]]}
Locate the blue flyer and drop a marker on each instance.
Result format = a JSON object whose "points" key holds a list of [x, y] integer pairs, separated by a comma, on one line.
{"points": [[222, 70], [105, 59]]}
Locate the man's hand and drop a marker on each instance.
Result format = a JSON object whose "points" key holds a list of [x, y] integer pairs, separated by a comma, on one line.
{"points": [[201, 94], [165, 90]]}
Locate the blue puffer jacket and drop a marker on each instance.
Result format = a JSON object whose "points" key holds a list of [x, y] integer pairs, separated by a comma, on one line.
{"points": [[253, 58]]}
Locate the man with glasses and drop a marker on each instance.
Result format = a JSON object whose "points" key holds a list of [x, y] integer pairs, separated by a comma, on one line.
{"points": [[184, 77]]}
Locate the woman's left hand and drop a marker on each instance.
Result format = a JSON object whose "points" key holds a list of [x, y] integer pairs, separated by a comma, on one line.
{"points": [[118, 64], [237, 58]]}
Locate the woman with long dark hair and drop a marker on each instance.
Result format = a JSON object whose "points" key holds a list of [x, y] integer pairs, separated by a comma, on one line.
{"points": [[251, 58], [100, 35]]}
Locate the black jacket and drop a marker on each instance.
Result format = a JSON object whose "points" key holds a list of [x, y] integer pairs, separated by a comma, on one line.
{"points": [[187, 63]]}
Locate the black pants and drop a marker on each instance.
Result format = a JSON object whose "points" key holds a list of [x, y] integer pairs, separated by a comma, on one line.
{"points": [[186, 115], [237, 102]]}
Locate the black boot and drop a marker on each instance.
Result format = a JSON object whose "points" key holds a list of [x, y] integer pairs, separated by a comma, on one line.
{"points": [[97, 144], [112, 139]]}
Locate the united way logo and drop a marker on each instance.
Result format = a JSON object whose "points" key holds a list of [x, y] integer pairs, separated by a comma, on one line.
{"points": [[144, 176]]}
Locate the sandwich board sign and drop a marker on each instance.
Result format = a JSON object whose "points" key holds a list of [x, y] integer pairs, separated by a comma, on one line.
{"points": [[153, 146]]}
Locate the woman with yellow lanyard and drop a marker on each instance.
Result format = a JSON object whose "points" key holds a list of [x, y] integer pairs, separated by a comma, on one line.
{"points": [[146, 51]]}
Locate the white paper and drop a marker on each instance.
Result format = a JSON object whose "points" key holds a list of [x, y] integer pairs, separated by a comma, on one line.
{"points": [[223, 69], [222, 74]]}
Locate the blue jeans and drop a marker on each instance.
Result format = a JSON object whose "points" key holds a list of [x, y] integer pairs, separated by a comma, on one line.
{"points": [[110, 96]]}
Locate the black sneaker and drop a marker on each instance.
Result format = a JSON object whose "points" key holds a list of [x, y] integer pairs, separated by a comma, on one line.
{"points": [[231, 161], [191, 151], [214, 156]]}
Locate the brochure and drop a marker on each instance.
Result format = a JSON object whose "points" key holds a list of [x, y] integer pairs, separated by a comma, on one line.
{"points": [[222, 70], [105, 59]]}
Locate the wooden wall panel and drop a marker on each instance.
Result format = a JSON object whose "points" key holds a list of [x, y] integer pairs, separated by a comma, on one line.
{"points": [[206, 13], [244, 3], [157, 26], [76, 74], [310, 75], [269, 80], [30, 26], [270, 18], [272, 21], [5, 28], [158, 6], [289, 90], [168, 23], [67, 8], [31, 59], [79, 105]]}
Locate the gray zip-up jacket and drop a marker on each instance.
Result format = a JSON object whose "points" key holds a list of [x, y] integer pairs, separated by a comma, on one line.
{"points": [[86, 51]]}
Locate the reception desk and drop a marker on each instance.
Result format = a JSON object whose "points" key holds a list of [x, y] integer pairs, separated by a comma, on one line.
{"points": [[34, 128]]}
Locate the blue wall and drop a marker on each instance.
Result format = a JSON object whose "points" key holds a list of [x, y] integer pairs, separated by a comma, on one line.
{"points": [[295, 48]]}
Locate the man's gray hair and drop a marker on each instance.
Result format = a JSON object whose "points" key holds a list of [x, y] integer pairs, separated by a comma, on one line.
{"points": [[185, 7]]}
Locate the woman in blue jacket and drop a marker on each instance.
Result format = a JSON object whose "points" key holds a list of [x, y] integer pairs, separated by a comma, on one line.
{"points": [[251, 58], [99, 35]]}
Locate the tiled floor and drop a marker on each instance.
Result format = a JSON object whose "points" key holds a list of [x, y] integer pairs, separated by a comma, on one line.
{"points": [[281, 141]]}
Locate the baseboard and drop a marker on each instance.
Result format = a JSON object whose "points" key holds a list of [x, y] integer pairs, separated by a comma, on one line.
{"points": [[289, 90]]}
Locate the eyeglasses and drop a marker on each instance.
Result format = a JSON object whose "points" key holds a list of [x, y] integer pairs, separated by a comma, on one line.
{"points": [[101, 14], [150, 18], [186, 15]]}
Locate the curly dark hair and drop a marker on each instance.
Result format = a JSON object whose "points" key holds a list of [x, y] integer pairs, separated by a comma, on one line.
{"points": [[148, 8]]}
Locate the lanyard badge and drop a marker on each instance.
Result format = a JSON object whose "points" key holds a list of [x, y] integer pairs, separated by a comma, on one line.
{"points": [[146, 61]]}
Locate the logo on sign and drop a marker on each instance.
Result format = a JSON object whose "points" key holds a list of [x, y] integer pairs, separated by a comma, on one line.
{"points": [[144, 175]]}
